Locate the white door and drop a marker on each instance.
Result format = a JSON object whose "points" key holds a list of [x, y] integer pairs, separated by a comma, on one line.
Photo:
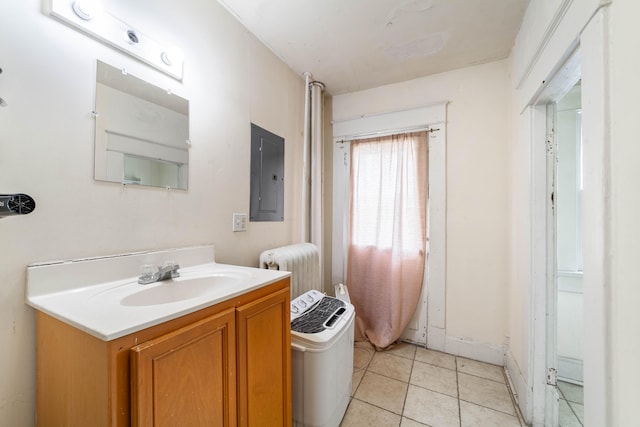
{"points": [[431, 321], [416, 331]]}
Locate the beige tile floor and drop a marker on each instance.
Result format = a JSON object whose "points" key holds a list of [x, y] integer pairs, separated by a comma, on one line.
{"points": [[571, 405], [411, 386]]}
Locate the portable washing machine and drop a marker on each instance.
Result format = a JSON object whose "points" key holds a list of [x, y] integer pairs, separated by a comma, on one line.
{"points": [[321, 359]]}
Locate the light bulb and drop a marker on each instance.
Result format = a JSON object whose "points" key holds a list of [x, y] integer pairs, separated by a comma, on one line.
{"points": [[172, 56], [87, 9]]}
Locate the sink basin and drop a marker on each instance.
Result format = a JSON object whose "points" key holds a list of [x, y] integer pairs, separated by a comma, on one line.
{"points": [[189, 285], [183, 288]]}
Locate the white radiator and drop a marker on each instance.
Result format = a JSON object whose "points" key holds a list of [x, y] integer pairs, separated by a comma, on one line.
{"points": [[302, 260]]}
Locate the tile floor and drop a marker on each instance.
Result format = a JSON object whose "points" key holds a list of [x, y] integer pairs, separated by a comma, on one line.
{"points": [[571, 407], [410, 386]]}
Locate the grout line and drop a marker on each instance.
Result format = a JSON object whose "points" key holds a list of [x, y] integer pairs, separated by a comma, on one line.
{"points": [[574, 412], [437, 366], [484, 378], [455, 358], [372, 352], [438, 392], [353, 393], [569, 402], [562, 396], [375, 406], [490, 408], [388, 377], [406, 393], [363, 369]]}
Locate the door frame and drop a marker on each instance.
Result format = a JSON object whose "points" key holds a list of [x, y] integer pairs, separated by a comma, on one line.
{"points": [[421, 118], [593, 65], [544, 283]]}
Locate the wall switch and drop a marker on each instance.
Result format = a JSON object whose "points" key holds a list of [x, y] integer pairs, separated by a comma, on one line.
{"points": [[240, 221]]}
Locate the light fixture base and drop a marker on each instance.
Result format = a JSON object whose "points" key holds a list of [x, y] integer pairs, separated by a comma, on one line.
{"points": [[87, 9], [83, 16]]}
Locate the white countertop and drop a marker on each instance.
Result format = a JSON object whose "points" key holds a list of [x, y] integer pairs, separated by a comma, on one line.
{"points": [[112, 309]]}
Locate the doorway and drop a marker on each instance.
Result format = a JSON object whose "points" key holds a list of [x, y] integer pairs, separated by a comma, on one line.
{"points": [[588, 64], [387, 233], [429, 322], [562, 262], [568, 188], [545, 231]]}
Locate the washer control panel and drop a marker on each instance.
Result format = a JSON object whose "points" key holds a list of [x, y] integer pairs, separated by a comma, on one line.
{"points": [[305, 302]]}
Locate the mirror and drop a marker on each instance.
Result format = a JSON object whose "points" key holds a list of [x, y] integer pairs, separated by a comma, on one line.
{"points": [[142, 132]]}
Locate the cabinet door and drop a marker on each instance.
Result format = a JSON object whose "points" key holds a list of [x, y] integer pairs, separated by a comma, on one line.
{"points": [[186, 377], [264, 361]]}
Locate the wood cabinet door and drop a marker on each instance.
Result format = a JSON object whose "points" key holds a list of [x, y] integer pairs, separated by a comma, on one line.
{"points": [[186, 377], [264, 361]]}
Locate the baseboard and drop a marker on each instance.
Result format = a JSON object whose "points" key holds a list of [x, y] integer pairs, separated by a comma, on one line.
{"points": [[435, 338], [483, 352], [570, 369], [522, 393]]}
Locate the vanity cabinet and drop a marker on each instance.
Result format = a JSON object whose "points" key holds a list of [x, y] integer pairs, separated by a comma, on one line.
{"points": [[264, 352], [186, 377], [225, 365]]}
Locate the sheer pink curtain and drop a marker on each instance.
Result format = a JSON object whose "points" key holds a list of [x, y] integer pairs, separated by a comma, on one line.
{"points": [[387, 236]]}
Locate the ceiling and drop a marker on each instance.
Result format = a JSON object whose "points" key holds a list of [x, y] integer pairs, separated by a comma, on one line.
{"points": [[352, 45]]}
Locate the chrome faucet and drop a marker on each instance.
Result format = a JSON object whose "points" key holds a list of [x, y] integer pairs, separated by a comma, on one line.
{"points": [[152, 274]]}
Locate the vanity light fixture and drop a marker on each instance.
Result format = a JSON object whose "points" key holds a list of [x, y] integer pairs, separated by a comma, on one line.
{"points": [[173, 55], [89, 17], [132, 37], [87, 9]]}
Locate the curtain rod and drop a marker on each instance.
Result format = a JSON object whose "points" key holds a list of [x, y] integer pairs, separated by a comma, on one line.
{"points": [[427, 129]]}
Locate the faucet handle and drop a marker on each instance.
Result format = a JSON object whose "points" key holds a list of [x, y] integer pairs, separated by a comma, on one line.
{"points": [[172, 267], [174, 271], [148, 273]]}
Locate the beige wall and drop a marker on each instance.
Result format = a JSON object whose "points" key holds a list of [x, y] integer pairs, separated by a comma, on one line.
{"points": [[477, 219], [46, 150], [519, 270]]}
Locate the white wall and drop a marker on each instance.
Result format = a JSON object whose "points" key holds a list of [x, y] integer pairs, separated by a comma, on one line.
{"points": [[476, 232], [46, 151], [609, 61], [624, 353]]}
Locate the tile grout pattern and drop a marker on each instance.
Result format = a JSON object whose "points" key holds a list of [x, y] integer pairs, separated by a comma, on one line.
{"points": [[410, 386], [571, 405]]}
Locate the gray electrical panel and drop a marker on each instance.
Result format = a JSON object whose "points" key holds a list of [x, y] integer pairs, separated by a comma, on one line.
{"points": [[267, 175]]}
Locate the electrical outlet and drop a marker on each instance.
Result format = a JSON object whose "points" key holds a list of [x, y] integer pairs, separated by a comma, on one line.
{"points": [[240, 221]]}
